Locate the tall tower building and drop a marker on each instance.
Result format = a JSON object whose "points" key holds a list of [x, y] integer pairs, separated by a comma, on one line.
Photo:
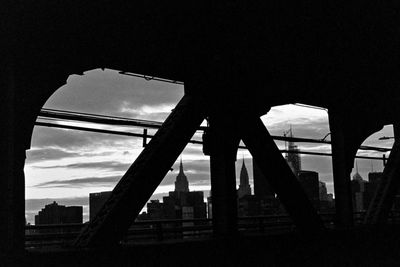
{"points": [[293, 159], [244, 186], [181, 183], [96, 202], [310, 182], [357, 191]]}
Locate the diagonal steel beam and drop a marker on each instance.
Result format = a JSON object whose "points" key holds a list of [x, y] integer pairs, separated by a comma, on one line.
{"points": [[144, 175], [281, 178]]}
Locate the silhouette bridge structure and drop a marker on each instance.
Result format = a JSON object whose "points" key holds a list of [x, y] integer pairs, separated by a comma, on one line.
{"points": [[237, 59]]}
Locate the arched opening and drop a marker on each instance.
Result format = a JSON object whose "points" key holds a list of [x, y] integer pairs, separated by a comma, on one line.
{"points": [[368, 170], [67, 164], [301, 133]]}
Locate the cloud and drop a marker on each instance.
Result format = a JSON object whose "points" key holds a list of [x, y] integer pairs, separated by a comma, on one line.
{"points": [[104, 165], [105, 92], [72, 140], [155, 112], [301, 127], [197, 172], [48, 153], [82, 182]]}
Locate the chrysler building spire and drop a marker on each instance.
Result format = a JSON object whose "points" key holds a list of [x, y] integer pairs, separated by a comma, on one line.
{"points": [[244, 187]]}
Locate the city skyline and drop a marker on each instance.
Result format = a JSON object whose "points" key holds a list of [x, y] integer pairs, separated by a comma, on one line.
{"points": [[66, 166]]}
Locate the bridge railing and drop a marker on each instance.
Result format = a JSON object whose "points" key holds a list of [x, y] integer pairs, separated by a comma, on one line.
{"points": [[150, 231]]}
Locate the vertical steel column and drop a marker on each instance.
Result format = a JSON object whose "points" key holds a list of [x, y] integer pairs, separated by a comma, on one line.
{"points": [[224, 143], [12, 183], [341, 174]]}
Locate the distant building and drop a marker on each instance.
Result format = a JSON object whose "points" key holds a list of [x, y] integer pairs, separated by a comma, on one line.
{"points": [[155, 210], [244, 186], [358, 185], [187, 214], [173, 204], [310, 182], [261, 187], [209, 207], [264, 196], [59, 214], [323, 192], [181, 183], [96, 202], [374, 180], [249, 205], [293, 158], [325, 199], [179, 204]]}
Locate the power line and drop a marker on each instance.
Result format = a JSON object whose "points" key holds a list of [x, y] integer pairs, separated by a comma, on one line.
{"points": [[100, 119], [63, 115], [94, 118], [87, 129]]}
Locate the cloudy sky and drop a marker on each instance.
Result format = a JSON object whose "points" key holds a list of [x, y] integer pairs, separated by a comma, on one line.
{"points": [[66, 165]]}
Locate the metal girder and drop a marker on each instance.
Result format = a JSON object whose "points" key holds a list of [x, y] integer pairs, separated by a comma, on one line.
{"points": [[144, 175], [224, 142], [341, 173], [345, 144], [12, 179], [382, 201], [281, 178]]}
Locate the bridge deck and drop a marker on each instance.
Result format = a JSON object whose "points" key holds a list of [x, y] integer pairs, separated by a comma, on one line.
{"points": [[361, 247]]}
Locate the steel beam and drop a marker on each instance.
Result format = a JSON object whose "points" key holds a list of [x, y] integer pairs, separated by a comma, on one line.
{"points": [[341, 173], [382, 202], [224, 142], [281, 178], [12, 182], [145, 174]]}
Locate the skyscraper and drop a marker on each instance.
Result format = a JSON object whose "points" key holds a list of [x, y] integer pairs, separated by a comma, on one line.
{"points": [[293, 158], [181, 183], [310, 182], [374, 179], [180, 203], [96, 201], [325, 199], [358, 191], [244, 186]]}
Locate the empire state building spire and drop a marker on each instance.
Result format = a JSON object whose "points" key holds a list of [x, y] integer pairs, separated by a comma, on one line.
{"points": [[181, 183]]}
